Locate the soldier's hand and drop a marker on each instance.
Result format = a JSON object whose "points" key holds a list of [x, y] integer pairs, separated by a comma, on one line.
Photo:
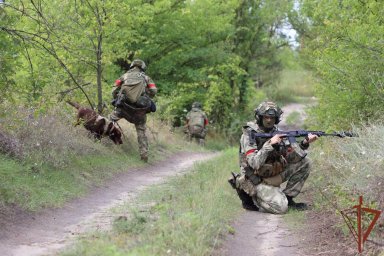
{"points": [[311, 138], [277, 139]]}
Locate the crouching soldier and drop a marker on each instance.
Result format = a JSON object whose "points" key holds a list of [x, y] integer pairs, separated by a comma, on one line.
{"points": [[132, 99], [265, 165], [196, 124]]}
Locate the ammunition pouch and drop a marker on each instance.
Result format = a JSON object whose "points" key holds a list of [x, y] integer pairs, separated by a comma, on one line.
{"points": [[250, 174], [270, 169], [143, 102]]}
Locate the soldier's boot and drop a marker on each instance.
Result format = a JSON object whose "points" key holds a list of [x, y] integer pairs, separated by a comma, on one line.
{"points": [[246, 199], [297, 206]]}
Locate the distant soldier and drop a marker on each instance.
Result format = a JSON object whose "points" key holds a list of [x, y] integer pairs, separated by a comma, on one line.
{"points": [[196, 124], [132, 99], [265, 164]]}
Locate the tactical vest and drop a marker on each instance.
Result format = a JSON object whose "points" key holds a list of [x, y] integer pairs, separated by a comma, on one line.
{"points": [[274, 163]]}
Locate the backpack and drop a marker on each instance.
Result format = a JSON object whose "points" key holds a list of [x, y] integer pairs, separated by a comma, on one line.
{"points": [[196, 122], [133, 85]]}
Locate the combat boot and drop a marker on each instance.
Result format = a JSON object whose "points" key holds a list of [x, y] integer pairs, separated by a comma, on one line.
{"points": [[246, 199], [297, 206]]}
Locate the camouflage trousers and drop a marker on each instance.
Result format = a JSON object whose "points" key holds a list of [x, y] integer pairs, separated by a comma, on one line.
{"points": [[199, 138], [268, 195], [140, 125]]}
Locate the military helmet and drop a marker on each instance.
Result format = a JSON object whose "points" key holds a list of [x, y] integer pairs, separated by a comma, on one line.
{"points": [[267, 108], [138, 63], [196, 104]]}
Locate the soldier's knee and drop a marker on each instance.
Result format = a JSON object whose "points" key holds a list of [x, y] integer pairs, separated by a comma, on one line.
{"points": [[271, 199]]}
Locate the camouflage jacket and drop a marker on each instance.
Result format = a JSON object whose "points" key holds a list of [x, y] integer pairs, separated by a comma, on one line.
{"points": [[264, 159]]}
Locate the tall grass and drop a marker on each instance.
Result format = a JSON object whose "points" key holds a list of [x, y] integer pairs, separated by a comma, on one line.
{"points": [[185, 216], [346, 168]]}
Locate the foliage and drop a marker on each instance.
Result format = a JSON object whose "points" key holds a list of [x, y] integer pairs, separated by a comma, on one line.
{"points": [[206, 50], [342, 41], [8, 58]]}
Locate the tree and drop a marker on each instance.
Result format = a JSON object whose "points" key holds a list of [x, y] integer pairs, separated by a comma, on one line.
{"points": [[342, 41], [72, 34]]}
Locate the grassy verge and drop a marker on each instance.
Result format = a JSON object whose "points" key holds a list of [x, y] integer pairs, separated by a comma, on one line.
{"points": [[32, 188], [184, 216], [344, 169], [53, 162]]}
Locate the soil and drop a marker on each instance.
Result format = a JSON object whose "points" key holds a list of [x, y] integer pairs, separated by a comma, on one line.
{"points": [[46, 232]]}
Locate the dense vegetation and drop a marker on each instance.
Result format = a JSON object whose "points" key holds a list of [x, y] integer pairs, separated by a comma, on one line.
{"points": [[229, 55], [343, 42], [215, 52]]}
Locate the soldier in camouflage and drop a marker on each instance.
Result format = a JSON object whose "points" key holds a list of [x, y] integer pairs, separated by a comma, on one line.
{"points": [[132, 100], [264, 166], [196, 124]]}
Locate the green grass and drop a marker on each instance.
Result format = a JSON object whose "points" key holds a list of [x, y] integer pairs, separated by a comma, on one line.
{"points": [[293, 86], [56, 162], [185, 216], [32, 188], [293, 118]]}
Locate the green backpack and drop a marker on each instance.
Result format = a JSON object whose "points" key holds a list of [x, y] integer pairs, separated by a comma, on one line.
{"points": [[133, 86], [196, 122]]}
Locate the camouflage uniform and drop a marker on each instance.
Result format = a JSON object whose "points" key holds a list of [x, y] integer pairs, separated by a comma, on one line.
{"points": [[134, 112], [196, 125], [264, 169]]}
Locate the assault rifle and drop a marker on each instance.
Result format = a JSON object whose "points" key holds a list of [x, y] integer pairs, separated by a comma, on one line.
{"points": [[292, 135]]}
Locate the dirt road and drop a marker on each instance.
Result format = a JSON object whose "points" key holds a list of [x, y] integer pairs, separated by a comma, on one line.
{"points": [[53, 229]]}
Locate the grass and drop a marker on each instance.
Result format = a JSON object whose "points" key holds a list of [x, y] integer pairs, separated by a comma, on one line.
{"points": [[344, 169], [53, 162], [293, 86], [293, 118], [185, 216]]}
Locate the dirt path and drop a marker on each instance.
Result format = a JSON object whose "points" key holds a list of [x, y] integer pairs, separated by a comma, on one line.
{"points": [[50, 230], [258, 233]]}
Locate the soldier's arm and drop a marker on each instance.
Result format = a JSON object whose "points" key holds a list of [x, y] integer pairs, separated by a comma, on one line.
{"points": [[256, 158], [206, 122], [151, 87]]}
